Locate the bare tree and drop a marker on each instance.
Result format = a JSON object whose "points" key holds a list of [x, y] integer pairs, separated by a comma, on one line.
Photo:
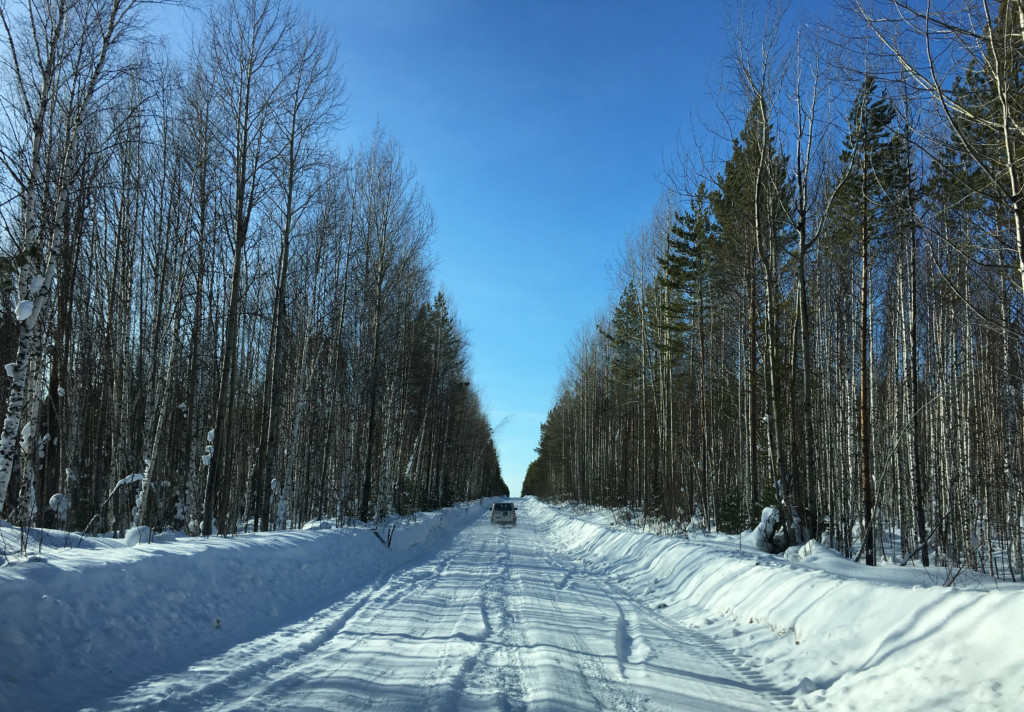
{"points": [[930, 45], [311, 104], [393, 224], [57, 56], [248, 43]]}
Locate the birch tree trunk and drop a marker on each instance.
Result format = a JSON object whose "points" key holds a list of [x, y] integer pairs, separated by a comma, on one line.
{"points": [[246, 47], [64, 37]]}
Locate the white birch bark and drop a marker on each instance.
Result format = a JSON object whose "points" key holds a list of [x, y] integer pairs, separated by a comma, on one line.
{"points": [[89, 28]]}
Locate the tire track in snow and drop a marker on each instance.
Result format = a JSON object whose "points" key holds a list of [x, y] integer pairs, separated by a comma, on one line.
{"points": [[645, 618], [373, 638], [247, 669], [491, 679], [596, 659], [651, 652], [499, 620], [642, 616]]}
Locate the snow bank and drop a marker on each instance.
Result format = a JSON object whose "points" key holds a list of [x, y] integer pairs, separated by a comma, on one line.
{"points": [[836, 634], [77, 625], [80, 625]]}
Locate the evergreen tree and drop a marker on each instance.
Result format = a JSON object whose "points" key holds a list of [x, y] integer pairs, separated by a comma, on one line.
{"points": [[628, 391], [751, 208], [686, 277], [686, 267], [867, 212], [625, 339]]}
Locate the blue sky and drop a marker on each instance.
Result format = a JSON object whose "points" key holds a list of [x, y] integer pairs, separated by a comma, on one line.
{"points": [[539, 130]]}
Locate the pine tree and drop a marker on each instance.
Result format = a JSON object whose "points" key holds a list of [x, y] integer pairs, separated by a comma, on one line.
{"points": [[867, 209], [750, 206], [686, 276], [628, 391], [687, 264]]}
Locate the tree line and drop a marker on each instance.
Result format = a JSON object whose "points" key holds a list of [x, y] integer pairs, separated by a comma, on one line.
{"points": [[214, 319], [819, 332]]}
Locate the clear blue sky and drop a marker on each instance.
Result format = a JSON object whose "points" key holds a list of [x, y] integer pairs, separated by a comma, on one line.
{"points": [[539, 129]]}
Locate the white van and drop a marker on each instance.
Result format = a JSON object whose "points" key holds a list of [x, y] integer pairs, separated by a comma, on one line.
{"points": [[503, 513]]}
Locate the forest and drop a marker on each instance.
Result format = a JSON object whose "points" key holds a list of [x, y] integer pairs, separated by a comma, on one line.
{"points": [[818, 332], [213, 318]]}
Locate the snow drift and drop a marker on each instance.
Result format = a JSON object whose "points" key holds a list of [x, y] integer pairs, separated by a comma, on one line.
{"points": [[836, 634], [80, 624]]}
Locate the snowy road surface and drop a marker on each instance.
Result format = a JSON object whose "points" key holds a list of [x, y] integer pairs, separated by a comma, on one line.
{"points": [[498, 620]]}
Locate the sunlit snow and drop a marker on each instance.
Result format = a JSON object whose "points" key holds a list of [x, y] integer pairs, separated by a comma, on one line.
{"points": [[562, 612], [23, 310]]}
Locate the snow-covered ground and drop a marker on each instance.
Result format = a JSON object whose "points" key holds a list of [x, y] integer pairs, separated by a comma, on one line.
{"points": [[562, 612], [834, 634]]}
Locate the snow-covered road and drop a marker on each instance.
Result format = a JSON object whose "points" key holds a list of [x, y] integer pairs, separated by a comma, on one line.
{"points": [[574, 609], [500, 619]]}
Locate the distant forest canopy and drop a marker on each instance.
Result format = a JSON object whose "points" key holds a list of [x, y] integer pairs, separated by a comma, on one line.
{"points": [[212, 320], [819, 332]]}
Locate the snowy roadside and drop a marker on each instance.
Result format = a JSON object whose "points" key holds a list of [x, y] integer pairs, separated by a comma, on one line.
{"points": [[86, 623], [94, 620], [836, 634]]}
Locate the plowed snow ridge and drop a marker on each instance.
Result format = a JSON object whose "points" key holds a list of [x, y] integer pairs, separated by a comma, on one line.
{"points": [[558, 613]]}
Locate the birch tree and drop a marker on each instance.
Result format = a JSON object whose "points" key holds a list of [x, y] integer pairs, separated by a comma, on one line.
{"points": [[311, 103], [248, 45], [57, 56], [393, 224]]}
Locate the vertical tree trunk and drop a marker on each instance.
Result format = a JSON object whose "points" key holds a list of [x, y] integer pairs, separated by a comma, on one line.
{"points": [[371, 424], [752, 365], [35, 280], [219, 457], [913, 378], [867, 476]]}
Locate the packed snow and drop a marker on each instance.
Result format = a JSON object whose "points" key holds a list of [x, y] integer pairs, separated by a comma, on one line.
{"points": [[566, 611]]}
